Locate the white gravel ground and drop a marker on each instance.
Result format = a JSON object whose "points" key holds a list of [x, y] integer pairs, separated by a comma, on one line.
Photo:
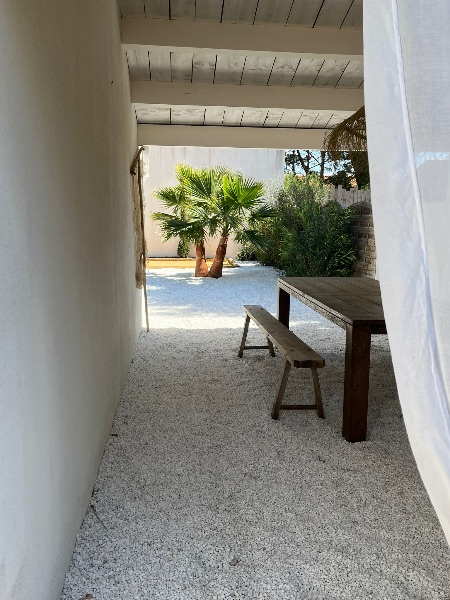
{"points": [[202, 496]]}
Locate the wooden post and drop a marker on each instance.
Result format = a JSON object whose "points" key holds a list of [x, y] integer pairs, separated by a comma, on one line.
{"points": [[356, 383], [283, 308]]}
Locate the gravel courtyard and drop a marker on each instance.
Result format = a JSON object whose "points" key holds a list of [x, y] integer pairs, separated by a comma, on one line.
{"points": [[201, 496]]}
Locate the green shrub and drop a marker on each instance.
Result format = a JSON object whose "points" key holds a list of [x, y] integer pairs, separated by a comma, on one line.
{"points": [[247, 252], [183, 248], [308, 237]]}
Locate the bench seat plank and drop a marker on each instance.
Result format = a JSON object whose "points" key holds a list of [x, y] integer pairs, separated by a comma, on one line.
{"points": [[293, 348]]}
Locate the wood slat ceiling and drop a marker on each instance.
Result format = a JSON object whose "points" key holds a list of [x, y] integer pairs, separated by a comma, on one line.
{"points": [[202, 67], [308, 13], [237, 117], [207, 67]]}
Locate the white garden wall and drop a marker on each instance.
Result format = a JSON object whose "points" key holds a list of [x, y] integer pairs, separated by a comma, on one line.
{"points": [[260, 164], [69, 308]]}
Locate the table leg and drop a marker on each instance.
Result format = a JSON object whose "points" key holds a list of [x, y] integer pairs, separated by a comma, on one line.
{"points": [[284, 302], [356, 383]]}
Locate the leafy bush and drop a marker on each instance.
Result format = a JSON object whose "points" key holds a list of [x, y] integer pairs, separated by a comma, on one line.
{"points": [[183, 248], [308, 237], [247, 252]]}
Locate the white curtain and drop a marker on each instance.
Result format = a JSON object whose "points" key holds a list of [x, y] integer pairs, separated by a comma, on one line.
{"points": [[407, 97]]}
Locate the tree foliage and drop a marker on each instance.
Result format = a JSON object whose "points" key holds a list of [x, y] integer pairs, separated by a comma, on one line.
{"points": [[336, 168], [308, 236], [210, 202]]}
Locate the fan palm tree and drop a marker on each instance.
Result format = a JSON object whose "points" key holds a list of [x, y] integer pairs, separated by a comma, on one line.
{"points": [[212, 201], [236, 211], [186, 220]]}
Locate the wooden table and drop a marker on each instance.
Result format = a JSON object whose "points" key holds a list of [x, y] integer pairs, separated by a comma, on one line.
{"points": [[353, 303]]}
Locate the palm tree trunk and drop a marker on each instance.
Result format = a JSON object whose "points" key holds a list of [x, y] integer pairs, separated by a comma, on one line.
{"points": [[216, 268], [201, 268]]}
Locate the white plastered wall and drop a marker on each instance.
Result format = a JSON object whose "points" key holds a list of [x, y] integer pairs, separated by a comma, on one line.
{"points": [[70, 311], [261, 164]]}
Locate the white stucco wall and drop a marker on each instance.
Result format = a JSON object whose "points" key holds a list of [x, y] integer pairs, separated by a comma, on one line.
{"points": [[69, 308], [260, 164]]}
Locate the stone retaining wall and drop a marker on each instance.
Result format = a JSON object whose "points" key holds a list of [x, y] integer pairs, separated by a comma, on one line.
{"points": [[361, 227]]}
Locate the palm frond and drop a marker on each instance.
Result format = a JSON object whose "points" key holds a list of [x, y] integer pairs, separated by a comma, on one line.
{"points": [[221, 170], [199, 184], [172, 226], [171, 197], [264, 211], [243, 193], [253, 237], [160, 216]]}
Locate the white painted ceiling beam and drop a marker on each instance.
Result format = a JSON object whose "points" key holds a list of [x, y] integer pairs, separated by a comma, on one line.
{"points": [[251, 96], [230, 137], [240, 38]]}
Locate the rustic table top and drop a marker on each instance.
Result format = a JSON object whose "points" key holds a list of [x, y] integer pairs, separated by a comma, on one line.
{"points": [[343, 300]]}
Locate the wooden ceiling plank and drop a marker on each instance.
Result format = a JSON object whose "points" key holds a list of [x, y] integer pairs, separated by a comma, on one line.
{"points": [[239, 11], [208, 10], [246, 117], [232, 117], [334, 120], [354, 16], [182, 9], [273, 118], [229, 68], [290, 118], [304, 12], [307, 119], [203, 67], [307, 71], [257, 70], [333, 13], [322, 119], [337, 118], [160, 65], [214, 115], [138, 64], [330, 73], [353, 76], [181, 66], [253, 117], [273, 11], [152, 114], [158, 9], [132, 8], [191, 115], [283, 70]]}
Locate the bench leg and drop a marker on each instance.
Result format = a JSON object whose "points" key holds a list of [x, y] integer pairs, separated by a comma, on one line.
{"points": [[317, 394], [271, 350], [281, 389], [244, 336]]}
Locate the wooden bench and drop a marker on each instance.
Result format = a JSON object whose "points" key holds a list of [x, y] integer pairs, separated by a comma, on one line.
{"points": [[296, 354]]}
